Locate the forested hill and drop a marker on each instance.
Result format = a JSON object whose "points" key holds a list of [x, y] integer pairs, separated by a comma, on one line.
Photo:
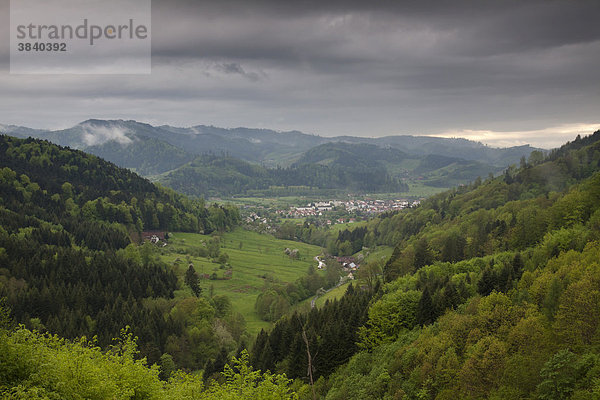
{"points": [[211, 175], [281, 163], [437, 170], [68, 264], [511, 212], [55, 183], [493, 292]]}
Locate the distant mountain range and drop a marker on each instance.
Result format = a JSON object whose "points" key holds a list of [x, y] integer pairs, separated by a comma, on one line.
{"points": [[206, 160]]}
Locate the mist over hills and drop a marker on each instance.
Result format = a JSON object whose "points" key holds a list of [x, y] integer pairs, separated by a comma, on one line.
{"points": [[174, 154]]}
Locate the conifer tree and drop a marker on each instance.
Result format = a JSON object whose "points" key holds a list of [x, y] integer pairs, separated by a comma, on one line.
{"points": [[192, 280], [425, 310]]}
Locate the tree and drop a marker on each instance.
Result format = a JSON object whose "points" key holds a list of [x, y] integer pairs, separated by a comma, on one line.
{"points": [[310, 363], [578, 316], [488, 281], [192, 280], [214, 247], [559, 377], [345, 248], [370, 272], [223, 258], [393, 313], [453, 249], [423, 254], [167, 366], [425, 312]]}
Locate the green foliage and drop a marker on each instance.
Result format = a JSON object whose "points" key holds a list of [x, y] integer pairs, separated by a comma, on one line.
{"points": [[517, 211], [559, 376], [242, 382], [389, 317], [62, 190], [497, 346], [48, 367], [284, 350], [192, 280], [211, 175], [37, 366], [496, 325], [70, 265]]}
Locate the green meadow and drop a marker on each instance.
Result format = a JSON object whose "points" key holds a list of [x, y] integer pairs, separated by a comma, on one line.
{"points": [[255, 259], [333, 294], [418, 189], [379, 253], [336, 228]]}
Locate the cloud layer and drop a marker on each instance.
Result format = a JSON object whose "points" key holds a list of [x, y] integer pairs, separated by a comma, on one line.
{"points": [[512, 68]]}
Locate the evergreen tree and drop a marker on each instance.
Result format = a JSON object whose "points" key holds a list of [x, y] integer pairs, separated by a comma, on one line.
{"points": [[192, 280], [488, 282], [423, 254], [425, 311]]}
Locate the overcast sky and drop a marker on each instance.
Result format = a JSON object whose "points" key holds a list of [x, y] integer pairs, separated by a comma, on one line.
{"points": [[502, 72]]}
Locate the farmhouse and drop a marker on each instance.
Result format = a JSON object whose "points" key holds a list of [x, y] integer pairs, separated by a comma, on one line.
{"points": [[154, 236]]}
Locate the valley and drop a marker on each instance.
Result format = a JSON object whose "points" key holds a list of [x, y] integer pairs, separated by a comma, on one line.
{"points": [[300, 200], [508, 256], [254, 259]]}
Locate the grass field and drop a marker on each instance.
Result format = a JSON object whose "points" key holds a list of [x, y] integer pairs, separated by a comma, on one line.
{"points": [[280, 202], [380, 253], [421, 190], [333, 294], [252, 257], [348, 225]]}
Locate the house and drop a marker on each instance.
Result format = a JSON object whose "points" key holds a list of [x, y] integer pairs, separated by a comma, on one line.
{"points": [[345, 260], [154, 236]]}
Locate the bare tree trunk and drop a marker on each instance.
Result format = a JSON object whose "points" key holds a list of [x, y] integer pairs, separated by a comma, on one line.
{"points": [[310, 368]]}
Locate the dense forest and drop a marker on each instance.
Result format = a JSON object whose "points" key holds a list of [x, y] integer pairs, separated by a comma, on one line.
{"points": [[492, 292], [330, 333], [70, 263], [212, 175], [38, 366]]}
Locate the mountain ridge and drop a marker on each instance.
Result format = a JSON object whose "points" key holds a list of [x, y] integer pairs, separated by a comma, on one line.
{"points": [[157, 150]]}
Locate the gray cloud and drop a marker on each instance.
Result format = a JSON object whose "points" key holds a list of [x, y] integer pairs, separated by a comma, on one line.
{"points": [[341, 67]]}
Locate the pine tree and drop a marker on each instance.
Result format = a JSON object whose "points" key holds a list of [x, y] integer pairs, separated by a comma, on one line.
{"points": [[425, 310], [488, 282], [192, 280]]}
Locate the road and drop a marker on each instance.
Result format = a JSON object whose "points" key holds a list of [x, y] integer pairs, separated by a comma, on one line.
{"points": [[321, 263]]}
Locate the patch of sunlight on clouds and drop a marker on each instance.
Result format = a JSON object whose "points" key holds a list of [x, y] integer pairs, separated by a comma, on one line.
{"points": [[546, 138]]}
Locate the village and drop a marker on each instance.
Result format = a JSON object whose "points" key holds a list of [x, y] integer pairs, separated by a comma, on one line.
{"points": [[321, 213], [361, 207]]}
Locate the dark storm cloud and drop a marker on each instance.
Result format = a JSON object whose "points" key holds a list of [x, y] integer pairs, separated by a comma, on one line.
{"points": [[337, 67], [273, 29], [429, 45]]}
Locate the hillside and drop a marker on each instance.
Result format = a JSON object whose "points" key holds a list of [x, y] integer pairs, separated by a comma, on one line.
{"points": [[226, 176], [69, 227], [154, 150], [492, 292], [252, 259], [431, 169], [452, 147]]}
